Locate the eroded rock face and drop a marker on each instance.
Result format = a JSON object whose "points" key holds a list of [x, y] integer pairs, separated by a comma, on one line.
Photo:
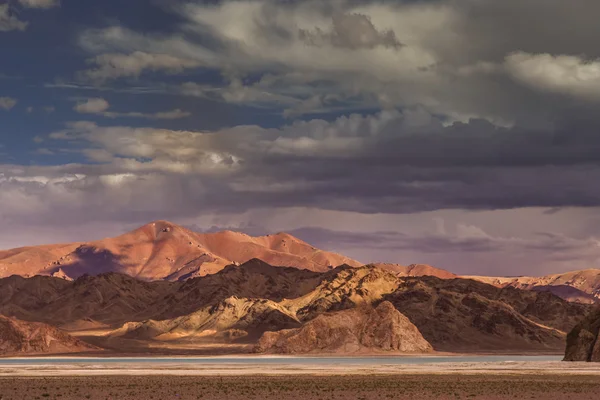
{"points": [[20, 337], [346, 287], [360, 329], [231, 319], [460, 315], [583, 342]]}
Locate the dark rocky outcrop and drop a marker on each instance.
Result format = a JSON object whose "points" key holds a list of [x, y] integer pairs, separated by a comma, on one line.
{"points": [[582, 341]]}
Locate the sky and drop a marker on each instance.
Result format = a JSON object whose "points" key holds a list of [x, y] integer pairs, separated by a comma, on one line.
{"points": [[458, 133]]}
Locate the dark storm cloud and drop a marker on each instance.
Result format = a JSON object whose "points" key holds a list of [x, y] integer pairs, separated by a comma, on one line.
{"points": [[466, 240], [452, 61], [533, 26], [470, 166], [375, 164], [409, 192], [325, 238]]}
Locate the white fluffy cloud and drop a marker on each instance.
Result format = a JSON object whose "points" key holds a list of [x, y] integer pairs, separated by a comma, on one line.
{"points": [[39, 3], [570, 75], [127, 150], [100, 106], [7, 103], [92, 106]]}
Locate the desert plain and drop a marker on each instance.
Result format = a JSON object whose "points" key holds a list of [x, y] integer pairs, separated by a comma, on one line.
{"points": [[230, 380], [424, 386]]}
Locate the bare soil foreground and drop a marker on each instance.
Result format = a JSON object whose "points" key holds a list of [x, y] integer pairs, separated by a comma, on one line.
{"points": [[402, 387]]}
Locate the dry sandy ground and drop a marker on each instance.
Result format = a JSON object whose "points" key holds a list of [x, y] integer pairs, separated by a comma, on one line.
{"points": [[308, 381], [373, 387], [170, 368]]}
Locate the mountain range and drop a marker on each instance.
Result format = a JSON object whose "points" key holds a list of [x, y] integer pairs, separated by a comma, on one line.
{"points": [[241, 309], [165, 251], [581, 286], [163, 288]]}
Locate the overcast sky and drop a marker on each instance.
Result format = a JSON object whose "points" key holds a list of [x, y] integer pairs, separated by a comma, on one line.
{"points": [[460, 133]]}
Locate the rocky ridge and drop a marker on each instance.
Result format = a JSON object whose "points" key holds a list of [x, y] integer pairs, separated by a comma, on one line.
{"points": [[583, 342], [162, 250], [240, 303], [350, 331], [28, 338]]}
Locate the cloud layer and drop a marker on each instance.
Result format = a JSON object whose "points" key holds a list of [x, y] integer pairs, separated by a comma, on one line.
{"points": [[113, 66], [440, 56]]}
